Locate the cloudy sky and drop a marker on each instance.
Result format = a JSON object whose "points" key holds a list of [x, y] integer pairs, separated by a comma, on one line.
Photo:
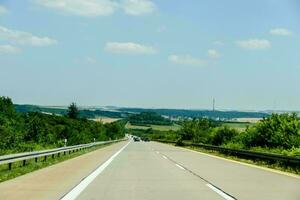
{"points": [[152, 53]]}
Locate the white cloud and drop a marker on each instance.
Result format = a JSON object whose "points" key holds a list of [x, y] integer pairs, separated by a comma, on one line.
{"points": [[186, 60], [94, 8], [3, 10], [280, 32], [213, 53], [24, 38], [254, 44], [87, 8], [9, 49], [129, 48], [138, 7]]}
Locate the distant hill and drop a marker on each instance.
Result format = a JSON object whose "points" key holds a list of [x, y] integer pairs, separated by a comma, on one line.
{"points": [[86, 113], [125, 112], [198, 113]]}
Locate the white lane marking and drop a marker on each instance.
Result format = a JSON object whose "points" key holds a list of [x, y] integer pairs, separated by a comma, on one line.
{"points": [[74, 193], [179, 166], [220, 192], [243, 163], [165, 157], [157, 152]]}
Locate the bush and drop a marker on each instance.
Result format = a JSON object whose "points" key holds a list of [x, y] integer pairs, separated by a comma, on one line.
{"points": [[279, 130], [223, 135]]}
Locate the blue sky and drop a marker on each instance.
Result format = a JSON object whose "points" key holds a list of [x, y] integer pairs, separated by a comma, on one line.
{"points": [[150, 53]]}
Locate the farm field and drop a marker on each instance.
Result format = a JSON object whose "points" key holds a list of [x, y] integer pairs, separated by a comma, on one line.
{"points": [[174, 127], [240, 126], [106, 120]]}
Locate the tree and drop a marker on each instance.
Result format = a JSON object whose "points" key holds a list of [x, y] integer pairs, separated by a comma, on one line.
{"points": [[6, 106], [73, 111], [279, 130], [196, 130]]}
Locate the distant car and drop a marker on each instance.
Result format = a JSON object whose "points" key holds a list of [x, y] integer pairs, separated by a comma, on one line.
{"points": [[146, 139], [136, 139]]}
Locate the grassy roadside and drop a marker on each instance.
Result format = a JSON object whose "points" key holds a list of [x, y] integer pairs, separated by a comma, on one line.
{"points": [[275, 166], [31, 165]]}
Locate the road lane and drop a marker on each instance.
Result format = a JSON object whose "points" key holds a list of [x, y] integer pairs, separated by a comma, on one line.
{"points": [[141, 173], [53, 182], [241, 181], [152, 171]]}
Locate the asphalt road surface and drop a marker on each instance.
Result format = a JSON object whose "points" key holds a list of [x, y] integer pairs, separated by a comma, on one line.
{"points": [[151, 171]]}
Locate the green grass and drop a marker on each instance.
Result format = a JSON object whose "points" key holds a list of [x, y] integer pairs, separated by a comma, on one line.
{"points": [[31, 165], [174, 127]]}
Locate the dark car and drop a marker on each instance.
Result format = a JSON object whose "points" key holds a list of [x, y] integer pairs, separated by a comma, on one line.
{"points": [[136, 139], [146, 139]]}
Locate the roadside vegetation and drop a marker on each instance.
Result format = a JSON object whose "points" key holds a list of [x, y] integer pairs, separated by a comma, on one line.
{"points": [[22, 132], [278, 133]]}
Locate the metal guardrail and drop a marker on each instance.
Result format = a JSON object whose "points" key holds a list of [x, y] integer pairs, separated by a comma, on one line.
{"points": [[244, 153], [12, 158]]}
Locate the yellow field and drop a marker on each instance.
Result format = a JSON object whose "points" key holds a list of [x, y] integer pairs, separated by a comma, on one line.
{"points": [[105, 120]]}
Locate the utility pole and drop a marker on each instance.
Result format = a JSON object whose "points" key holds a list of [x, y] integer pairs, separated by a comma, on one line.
{"points": [[214, 101]]}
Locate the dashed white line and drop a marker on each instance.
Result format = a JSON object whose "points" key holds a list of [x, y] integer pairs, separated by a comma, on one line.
{"points": [[220, 192], [74, 193], [165, 157], [157, 152], [179, 166]]}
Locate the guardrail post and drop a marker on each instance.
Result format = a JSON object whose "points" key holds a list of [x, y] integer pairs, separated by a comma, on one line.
{"points": [[52, 156], [24, 163], [36, 159], [45, 158], [9, 166], [58, 155]]}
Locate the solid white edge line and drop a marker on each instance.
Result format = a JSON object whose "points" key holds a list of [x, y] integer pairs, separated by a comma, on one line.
{"points": [[74, 193], [220, 192], [180, 166], [243, 163]]}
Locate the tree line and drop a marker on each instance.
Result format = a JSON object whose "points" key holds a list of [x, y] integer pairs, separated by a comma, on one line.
{"points": [[21, 132], [148, 118], [278, 133]]}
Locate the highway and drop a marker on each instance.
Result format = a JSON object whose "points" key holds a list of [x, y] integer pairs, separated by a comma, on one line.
{"points": [[150, 170]]}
